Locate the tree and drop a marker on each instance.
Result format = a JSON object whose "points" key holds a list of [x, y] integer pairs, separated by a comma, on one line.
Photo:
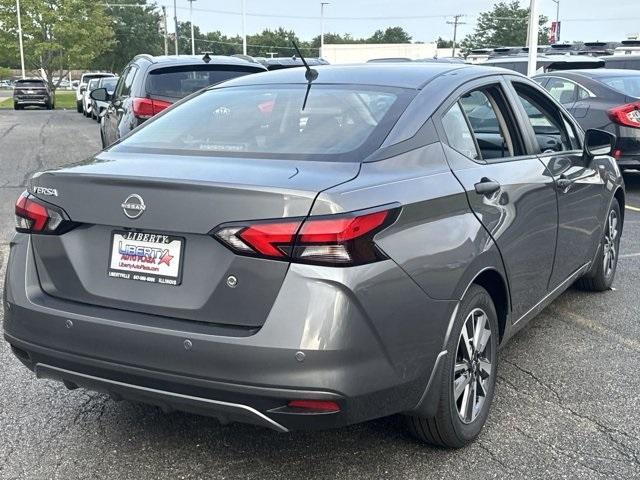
{"points": [[390, 35], [442, 43], [136, 30], [58, 34], [278, 42], [5, 73], [330, 38], [505, 25]]}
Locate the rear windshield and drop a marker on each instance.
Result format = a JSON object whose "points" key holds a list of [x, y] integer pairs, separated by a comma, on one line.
{"points": [[338, 123], [628, 85], [29, 83], [178, 82], [87, 78]]}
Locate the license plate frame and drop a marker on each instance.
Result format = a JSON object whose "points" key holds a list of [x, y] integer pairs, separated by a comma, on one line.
{"points": [[138, 258]]}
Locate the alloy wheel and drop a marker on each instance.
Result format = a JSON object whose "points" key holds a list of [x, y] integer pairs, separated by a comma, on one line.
{"points": [[610, 244], [473, 369]]}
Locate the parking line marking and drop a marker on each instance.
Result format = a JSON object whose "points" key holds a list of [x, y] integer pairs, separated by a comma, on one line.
{"points": [[629, 207], [630, 255]]}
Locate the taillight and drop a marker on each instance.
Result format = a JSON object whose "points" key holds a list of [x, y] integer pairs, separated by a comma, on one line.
{"points": [[627, 115], [35, 216], [320, 406], [337, 240], [148, 107]]}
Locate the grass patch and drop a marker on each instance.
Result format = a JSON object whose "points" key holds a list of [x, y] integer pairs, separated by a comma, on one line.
{"points": [[64, 99]]}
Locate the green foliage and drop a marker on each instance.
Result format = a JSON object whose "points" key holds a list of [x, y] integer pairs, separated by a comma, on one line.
{"points": [[390, 35], [5, 73], [58, 34], [136, 30], [442, 43], [505, 25]]}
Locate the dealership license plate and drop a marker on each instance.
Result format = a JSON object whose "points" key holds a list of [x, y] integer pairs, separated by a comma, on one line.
{"points": [[146, 257]]}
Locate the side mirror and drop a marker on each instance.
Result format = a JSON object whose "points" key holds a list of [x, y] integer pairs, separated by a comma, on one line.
{"points": [[99, 94], [598, 142], [83, 88]]}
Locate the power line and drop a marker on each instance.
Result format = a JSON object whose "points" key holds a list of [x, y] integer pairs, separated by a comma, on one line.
{"points": [[455, 23]]}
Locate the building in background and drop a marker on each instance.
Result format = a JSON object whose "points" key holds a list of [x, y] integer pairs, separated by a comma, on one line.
{"points": [[337, 53]]}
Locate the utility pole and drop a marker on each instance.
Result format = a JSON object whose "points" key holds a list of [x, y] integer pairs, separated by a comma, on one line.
{"points": [[244, 27], [455, 23], [322, 4], [175, 21], [193, 40], [20, 37], [533, 38], [166, 33]]}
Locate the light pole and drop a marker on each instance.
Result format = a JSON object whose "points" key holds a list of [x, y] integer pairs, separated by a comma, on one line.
{"points": [[244, 27], [193, 40], [20, 37], [533, 38], [455, 23], [557, 32], [322, 4], [175, 22], [166, 34]]}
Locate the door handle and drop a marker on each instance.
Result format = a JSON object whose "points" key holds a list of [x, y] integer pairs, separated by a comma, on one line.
{"points": [[486, 186]]}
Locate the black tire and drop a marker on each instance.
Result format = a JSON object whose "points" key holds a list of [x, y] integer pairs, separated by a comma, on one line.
{"points": [[17, 107], [447, 428], [600, 277], [79, 106]]}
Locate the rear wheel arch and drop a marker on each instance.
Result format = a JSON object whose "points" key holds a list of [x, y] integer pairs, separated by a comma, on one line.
{"points": [[619, 196], [494, 283]]}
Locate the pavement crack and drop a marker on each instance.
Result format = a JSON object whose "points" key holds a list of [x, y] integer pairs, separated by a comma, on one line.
{"points": [[495, 458]]}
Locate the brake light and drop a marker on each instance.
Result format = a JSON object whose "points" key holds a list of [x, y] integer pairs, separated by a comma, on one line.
{"points": [[627, 115], [148, 107], [336, 240], [34, 216]]}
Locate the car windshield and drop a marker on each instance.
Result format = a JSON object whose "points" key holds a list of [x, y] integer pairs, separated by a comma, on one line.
{"points": [[88, 78], [93, 84], [628, 84], [338, 123], [178, 82]]}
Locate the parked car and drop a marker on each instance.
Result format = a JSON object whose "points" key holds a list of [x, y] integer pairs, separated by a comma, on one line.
{"points": [[604, 99], [98, 106], [625, 62], [149, 84], [82, 86], [545, 63], [309, 254], [628, 47], [32, 92], [86, 99]]}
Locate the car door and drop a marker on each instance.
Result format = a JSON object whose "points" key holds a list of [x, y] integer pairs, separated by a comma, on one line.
{"points": [[116, 109], [509, 190], [579, 182]]}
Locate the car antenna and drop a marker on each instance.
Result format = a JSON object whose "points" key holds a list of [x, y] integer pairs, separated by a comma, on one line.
{"points": [[207, 57], [311, 74]]}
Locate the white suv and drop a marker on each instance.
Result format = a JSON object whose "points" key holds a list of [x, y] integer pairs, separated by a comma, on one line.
{"points": [[82, 86]]}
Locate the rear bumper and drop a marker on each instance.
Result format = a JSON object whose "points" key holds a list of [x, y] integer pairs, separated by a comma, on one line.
{"points": [[371, 357], [629, 161], [31, 100]]}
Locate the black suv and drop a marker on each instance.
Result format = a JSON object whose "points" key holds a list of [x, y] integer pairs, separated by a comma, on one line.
{"points": [[149, 84], [32, 91]]}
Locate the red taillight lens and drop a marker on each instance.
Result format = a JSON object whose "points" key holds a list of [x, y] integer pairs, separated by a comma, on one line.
{"points": [[30, 215], [627, 115], [34, 216], [148, 107], [338, 240], [324, 406]]}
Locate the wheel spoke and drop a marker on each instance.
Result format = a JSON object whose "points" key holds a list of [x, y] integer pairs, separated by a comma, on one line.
{"points": [[467, 342], [485, 368], [460, 367], [465, 402], [460, 385], [479, 330], [484, 339]]}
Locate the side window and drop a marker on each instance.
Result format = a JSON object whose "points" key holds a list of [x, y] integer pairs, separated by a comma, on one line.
{"points": [[487, 124], [458, 132], [120, 85], [562, 90], [545, 118], [123, 89], [582, 93]]}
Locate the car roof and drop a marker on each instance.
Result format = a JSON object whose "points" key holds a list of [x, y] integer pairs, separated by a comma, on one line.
{"points": [[595, 73], [413, 75], [177, 60]]}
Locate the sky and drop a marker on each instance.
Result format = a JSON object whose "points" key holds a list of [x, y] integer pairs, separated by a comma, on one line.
{"points": [[425, 20]]}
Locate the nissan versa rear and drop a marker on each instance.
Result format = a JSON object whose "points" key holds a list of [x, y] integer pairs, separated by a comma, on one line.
{"points": [[301, 253]]}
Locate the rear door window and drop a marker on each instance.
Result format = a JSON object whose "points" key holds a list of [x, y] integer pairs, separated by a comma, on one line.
{"points": [[126, 82], [625, 84], [458, 132], [178, 82], [564, 91]]}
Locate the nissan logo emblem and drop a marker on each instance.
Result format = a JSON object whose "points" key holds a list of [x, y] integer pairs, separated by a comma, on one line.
{"points": [[133, 206]]}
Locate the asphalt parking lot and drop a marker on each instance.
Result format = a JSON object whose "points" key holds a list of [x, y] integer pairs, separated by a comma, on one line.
{"points": [[567, 402]]}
